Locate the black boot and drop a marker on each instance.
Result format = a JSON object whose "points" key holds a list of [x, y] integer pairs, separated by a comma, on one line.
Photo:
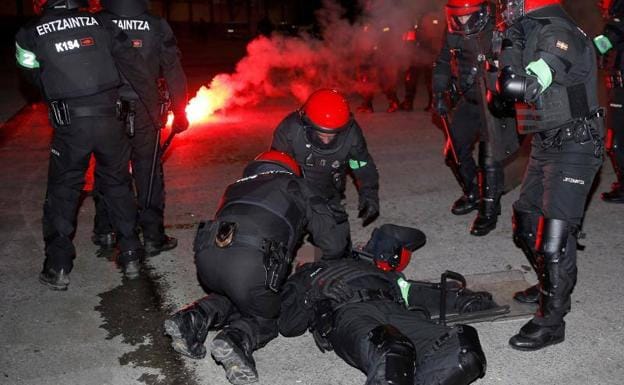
{"points": [[130, 262], [188, 329], [106, 241], [466, 203], [559, 258], [616, 195], [153, 248], [524, 235], [232, 349], [392, 357], [54, 280], [491, 188]]}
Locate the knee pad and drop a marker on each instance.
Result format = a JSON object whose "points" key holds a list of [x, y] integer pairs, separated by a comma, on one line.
{"points": [[397, 354], [456, 358]]}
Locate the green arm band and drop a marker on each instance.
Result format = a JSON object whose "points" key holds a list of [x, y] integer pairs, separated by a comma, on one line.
{"points": [[25, 58], [355, 164], [603, 44], [404, 286], [542, 71]]}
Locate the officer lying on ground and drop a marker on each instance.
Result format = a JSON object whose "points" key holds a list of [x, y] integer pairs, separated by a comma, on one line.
{"points": [[243, 257]]}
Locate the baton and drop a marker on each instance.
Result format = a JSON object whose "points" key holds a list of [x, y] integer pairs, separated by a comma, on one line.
{"points": [[447, 131], [150, 186], [167, 143]]}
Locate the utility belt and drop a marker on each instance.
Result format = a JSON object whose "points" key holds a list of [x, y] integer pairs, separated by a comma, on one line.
{"points": [[62, 114], [277, 257], [581, 131], [614, 80]]}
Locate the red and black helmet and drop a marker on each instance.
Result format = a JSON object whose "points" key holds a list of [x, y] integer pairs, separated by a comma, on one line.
{"points": [[272, 160], [466, 17], [327, 111], [512, 10], [40, 5]]}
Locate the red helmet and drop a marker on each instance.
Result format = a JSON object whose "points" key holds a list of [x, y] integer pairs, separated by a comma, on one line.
{"points": [[328, 110], [477, 10], [272, 160], [512, 10]]}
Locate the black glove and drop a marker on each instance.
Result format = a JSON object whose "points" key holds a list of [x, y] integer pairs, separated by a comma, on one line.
{"points": [[368, 210], [180, 123], [440, 106]]}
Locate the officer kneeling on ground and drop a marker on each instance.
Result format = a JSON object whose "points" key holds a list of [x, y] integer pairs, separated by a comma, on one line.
{"points": [[381, 323], [327, 143], [74, 57], [243, 257]]}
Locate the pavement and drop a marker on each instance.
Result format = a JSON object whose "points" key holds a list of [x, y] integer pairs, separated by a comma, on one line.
{"points": [[106, 330]]}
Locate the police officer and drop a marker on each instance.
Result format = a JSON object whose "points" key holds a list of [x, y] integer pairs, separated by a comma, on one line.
{"points": [[548, 67], [611, 41], [152, 37], [327, 142], [380, 323], [74, 57], [243, 257], [460, 68]]}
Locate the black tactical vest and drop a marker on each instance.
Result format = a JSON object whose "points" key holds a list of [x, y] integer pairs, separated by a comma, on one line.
{"points": [[276, 192], [560, 104], [324, 169], [74, 52]]}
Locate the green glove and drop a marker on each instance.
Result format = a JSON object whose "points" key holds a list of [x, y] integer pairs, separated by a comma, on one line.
{"points": [[603, 44]]}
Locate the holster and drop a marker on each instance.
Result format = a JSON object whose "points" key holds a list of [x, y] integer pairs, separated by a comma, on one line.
{"points": [[126, 112], [59, 113], [277, 260]]}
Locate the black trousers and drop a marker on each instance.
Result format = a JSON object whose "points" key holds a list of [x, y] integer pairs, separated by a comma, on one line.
{"points": [[616, 126], [353, 323], [235, 276], [466, 129], [71, 149], [150, 218]]}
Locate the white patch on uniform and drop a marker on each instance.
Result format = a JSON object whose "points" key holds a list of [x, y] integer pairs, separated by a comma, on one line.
{"points": [[562, 45], [567, 179], [55, 152], [336, 164]]}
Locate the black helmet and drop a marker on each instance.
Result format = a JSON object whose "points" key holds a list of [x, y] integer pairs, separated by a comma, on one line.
{"points": [[126, 8]]}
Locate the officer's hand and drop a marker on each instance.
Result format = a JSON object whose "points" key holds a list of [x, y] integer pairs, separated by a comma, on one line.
{"points": [[180, 123], [440, 105], [368, 210]]}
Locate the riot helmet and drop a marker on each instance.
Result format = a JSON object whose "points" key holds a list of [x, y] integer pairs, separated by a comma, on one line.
{"points": [[40, 5], [511, 11], [611, 8], [126, 8], [271, 161], [465, 17], [325, 114]]}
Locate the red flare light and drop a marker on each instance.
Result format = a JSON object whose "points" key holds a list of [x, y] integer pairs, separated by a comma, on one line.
{"points": [[209, 100]]}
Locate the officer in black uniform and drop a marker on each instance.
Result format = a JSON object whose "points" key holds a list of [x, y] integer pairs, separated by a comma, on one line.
{"points": [[327, 143], [548, 67], [611, 44], [153, 38], [74, 57], [243, 257], [460, 68]]}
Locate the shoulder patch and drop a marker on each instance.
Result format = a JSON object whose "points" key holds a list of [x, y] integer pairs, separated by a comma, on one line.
{"points": [[562, 45]]}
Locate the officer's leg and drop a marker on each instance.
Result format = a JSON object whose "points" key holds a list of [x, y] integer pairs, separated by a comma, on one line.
{"points": [[615, 147], [409, 81], [366, 86], [112, 153], [103, 233], [362, 338], [491, 185], [464, 130], [527, 211], [69, 160], [151, 218], [388, 80], [563, 206], [189, 326]]}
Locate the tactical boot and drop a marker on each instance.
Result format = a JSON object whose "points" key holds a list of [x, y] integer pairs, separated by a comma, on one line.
{"points": [[366, 106], [616, 195], [153, 248], [188, 329], [232, 349], [106, 241], [130, 263], [533, 336], [466, 203], [486, 219], [529, 295], [54, 280]]}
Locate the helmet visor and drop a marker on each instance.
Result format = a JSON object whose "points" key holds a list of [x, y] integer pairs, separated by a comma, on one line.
{"points": [[509, 11], [467, 20]]}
